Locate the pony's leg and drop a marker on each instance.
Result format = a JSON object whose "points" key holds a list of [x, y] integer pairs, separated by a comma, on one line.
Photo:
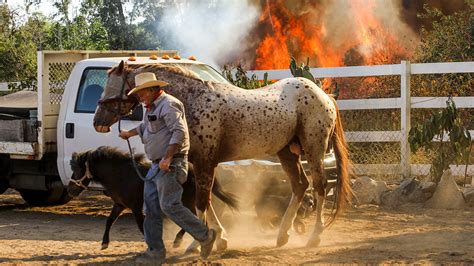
{"points": [[114, 214], [139, 217], [179, 238], [299, 183]]}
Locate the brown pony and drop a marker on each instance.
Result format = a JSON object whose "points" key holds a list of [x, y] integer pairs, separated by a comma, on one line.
{"points": [[228, 123], [114, 170]]}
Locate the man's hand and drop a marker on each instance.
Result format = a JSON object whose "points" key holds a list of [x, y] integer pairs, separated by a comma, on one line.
{"points": [[165, 164], [124, 134]]}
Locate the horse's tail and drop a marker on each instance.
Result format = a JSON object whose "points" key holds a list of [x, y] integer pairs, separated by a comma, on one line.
{"points": [[343, 192], [228, 198]]}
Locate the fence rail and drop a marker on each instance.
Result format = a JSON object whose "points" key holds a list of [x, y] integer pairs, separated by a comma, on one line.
{"points": [[405, 103]]}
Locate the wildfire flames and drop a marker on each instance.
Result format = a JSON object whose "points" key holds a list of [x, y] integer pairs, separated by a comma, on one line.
{"points": [[348, 32]]}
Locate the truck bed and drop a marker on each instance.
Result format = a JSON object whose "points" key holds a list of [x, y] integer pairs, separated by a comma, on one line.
{"points": [[18, 117], [18, 105]]}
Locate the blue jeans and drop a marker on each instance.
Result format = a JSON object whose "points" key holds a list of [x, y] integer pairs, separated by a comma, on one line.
{"points": [[162, 193]]}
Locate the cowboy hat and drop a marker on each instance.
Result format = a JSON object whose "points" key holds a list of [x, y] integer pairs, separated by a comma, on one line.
{"points": [[146, 80]]}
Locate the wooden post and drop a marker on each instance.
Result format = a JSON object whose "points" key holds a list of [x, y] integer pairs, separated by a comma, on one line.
{"points": [[405, 152]]}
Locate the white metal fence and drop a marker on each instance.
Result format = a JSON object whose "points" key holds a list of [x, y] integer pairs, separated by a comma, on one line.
{"points": [[404, 104]]}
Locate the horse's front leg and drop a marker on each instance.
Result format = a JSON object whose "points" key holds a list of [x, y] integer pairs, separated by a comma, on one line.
{"points": [[299, 183], [214, 223], [204, 181], [114, 214], [221, 240]]}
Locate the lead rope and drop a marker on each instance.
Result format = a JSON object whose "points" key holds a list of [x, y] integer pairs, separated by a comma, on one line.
{"points": [[132, 157], [87, 175]]}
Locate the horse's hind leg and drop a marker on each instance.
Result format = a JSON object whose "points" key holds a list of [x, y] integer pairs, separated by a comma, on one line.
{"points": [[114, 214], [315, 159], [299, 183]]}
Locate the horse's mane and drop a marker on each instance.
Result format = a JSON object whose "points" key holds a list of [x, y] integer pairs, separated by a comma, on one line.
{"points": [[158, 67], [105, 153]]}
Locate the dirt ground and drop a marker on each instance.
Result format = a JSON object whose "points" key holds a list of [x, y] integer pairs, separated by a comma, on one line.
{"points": [[72, 233]]}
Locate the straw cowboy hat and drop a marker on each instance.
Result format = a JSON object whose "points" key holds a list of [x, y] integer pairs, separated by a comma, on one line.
{"points": [[146, 80]]}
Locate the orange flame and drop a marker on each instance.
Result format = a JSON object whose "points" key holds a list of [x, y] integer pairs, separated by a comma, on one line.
{"points": [[304, 36]]}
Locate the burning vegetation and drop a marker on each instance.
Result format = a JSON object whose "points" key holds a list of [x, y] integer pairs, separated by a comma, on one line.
{"points": [[338, 32]]}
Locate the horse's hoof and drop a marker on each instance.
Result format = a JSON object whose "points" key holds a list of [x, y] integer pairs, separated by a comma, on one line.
{"points": [[282, 239], [104, 246], [313, 242], [221, 244]]}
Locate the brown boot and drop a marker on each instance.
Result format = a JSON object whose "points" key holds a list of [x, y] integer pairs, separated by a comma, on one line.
{"points": [[206, 245]]}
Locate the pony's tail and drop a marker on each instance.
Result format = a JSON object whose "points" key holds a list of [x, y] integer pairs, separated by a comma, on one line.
{"points": [[228, 198], [343, 192]]}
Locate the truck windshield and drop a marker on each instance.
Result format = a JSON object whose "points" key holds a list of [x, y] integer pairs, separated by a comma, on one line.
{"points": [[206, 73], [94, 79]]}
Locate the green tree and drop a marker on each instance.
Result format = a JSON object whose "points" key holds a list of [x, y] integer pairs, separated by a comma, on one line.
{"points": [[449, 39], [17, 49], [113, 19]]}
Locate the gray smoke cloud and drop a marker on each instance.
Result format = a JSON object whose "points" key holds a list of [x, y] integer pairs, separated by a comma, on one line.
{"points": [[210, 30]]}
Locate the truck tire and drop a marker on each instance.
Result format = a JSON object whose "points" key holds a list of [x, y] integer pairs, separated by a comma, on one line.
{"points": [[4, 185], [55, 195], [4, 174]]}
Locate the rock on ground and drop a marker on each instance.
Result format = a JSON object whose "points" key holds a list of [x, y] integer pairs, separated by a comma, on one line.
{"points": [[368, 191], [447, 194]]}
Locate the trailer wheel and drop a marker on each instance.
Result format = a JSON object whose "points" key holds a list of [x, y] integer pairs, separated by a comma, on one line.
{"points": [[55, 195]]}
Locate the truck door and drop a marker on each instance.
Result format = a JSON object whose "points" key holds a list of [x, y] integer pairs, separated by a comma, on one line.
{"points": [[78, 133]]}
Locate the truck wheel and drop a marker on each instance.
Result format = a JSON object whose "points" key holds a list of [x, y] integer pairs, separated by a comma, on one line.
{"points": [[4, 185], [55, 195]]}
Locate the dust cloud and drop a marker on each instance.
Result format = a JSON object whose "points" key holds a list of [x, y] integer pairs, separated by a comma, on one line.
{"points": [[254, 185]]}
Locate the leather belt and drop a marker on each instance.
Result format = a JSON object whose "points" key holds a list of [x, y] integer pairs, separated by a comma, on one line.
{"points": [[177, 155]]}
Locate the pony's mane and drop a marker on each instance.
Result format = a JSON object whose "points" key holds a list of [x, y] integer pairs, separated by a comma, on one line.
{"points": [[158, 67], [106, 153]]}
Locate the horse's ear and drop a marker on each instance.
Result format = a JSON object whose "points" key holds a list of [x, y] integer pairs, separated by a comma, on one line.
{"points": [[73, 158], [120, 68]]}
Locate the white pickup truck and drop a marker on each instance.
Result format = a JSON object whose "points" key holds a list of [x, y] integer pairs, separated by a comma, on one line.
{"points": [[40, 131]]}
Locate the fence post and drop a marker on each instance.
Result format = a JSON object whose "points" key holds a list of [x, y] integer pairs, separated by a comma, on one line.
{"points": [[405, 73]]}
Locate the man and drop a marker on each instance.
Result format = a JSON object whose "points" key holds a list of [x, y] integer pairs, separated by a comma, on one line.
{"points": [[164, 133]]}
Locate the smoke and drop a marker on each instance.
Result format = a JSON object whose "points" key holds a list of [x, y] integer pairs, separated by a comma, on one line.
{"points": [[210, 30], [264, 34]]}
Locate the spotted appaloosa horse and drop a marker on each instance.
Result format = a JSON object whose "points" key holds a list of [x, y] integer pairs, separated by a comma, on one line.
{"points": [[228, 123]]}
